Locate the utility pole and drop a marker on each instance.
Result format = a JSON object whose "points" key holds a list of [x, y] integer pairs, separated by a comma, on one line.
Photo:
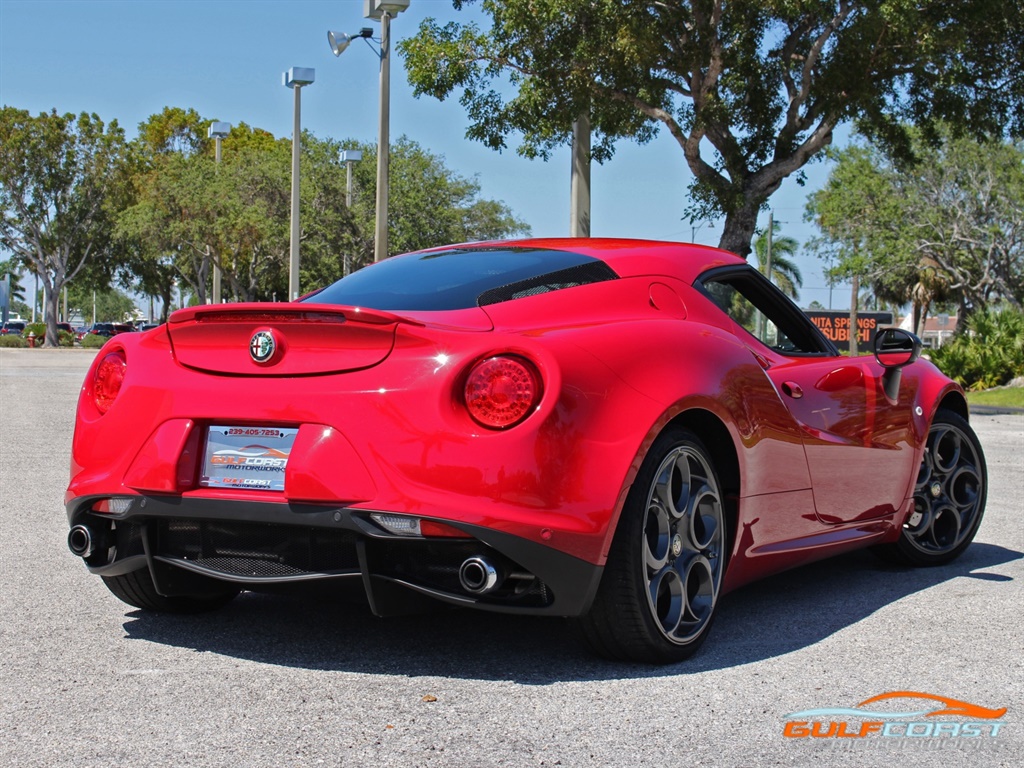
{"points": [[349, 157], [762, 325], [854, 298]]}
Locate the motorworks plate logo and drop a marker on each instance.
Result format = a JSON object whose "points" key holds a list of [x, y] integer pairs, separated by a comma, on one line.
{"points": [[897, 714], [262, 346]]}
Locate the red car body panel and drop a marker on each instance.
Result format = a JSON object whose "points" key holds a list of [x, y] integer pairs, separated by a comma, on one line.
{"points": [[823, 462]]}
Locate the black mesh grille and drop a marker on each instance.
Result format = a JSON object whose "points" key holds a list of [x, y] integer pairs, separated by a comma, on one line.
{"points": [[257, 549], [248, 566], [582, 274], [129, 540]]}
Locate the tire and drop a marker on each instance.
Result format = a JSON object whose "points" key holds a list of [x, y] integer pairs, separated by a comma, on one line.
{"points": [[660, 587], [137, 589], [949, 497]]}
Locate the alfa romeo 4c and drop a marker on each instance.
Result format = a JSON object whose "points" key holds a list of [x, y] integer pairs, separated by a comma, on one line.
{"points": [[616, 431]]}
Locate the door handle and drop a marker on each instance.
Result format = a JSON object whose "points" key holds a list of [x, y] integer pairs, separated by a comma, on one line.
{"points": [[792, 389]]}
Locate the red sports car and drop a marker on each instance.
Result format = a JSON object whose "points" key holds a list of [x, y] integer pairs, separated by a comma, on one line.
{"points": [[617, 431]]}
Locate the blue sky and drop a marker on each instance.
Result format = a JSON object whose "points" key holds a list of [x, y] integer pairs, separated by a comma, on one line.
{"points": [[128, 59]]}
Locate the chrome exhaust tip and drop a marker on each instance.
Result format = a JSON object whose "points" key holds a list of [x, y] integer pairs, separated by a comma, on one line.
{"points": [[479, 576], [80, 541]]}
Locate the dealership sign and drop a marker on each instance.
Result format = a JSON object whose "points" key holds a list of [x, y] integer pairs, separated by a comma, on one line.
{"points": [[836, 326]]}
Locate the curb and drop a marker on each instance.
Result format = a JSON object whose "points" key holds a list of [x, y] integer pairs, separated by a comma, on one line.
{"points": [[993, 410]]}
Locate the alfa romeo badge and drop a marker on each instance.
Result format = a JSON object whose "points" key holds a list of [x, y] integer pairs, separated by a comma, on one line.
{"points": [[262, 346]]}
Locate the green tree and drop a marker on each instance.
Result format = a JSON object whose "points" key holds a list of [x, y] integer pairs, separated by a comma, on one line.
{"points": [[148, 263], [61, 182], [161, 231], [751, 90], [858, 215], [946, 229], [429, 205], [191, 214], [174, 130], [963, 214], [110, 304]]}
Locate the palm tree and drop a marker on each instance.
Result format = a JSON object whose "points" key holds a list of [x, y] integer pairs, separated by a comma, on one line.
{"points": [[785, 273]]}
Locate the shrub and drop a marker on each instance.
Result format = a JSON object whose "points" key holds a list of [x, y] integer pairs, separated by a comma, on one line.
{"points": [[92, 341], [64, 338], [990, 351], [12, 341], [39, 329]]}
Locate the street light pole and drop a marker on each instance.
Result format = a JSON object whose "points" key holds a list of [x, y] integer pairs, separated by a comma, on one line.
{"points": [[293, 242], [382, 11], [349, 157], [295, 78], [380, 239], [218, 131]]}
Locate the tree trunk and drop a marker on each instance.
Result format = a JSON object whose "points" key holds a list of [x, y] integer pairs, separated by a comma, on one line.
{"points": [[739, 229], [51, 304], [922, 319], [166, 291]]}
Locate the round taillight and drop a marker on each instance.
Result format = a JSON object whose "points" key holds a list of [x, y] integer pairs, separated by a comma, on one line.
{"points": [[109, 377], [502, 391]]}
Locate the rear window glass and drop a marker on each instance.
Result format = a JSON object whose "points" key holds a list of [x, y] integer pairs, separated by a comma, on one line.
{"points": [[462, 278]]}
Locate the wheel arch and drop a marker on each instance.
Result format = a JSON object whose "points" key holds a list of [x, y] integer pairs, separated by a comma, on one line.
{"points": [[954, 401], [615, 626], [718, 442]]}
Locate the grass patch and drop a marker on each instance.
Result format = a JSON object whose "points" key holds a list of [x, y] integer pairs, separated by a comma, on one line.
{"points": [[1012, 397], [93, 341]]}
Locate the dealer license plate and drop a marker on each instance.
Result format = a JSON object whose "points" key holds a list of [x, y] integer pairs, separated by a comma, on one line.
{"points": [[247, 457]]}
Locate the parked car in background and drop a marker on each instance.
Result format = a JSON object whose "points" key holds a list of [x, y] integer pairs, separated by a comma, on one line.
{"points": [[146, 326], [13, 328], [107, 329]]}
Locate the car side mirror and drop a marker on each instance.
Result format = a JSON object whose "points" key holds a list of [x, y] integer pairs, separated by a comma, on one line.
{"points": [[895, 348]]}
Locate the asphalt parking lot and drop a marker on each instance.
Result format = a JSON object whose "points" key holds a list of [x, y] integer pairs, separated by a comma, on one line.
{"points": [[88, 681]]}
